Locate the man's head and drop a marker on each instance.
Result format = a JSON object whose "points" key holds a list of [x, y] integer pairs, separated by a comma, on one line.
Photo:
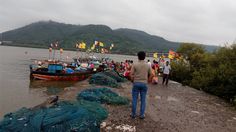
{"points": [[141, 55], [167, 63]]}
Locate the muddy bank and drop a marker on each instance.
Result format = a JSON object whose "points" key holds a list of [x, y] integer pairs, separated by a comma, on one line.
{"points": [[169, 109]]}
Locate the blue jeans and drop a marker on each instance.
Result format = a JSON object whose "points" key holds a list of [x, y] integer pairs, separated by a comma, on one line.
{"points": [[139, 88]]}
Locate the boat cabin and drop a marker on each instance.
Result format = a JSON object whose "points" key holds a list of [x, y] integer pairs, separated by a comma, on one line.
{"points": [[55, 68]]}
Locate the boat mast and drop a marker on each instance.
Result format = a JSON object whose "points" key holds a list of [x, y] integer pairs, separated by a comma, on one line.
{"points": [[1, 39]]}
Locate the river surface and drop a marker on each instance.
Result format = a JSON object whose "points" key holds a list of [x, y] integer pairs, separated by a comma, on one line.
{"points": [[16, 89]]}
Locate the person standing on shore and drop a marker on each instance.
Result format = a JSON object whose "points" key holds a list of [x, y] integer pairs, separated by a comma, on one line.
{"points": [[139, 77], [166, 72]]}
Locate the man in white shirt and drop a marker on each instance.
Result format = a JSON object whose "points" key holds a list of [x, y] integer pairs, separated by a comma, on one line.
{"points": [[166, 72], [149, 63]]}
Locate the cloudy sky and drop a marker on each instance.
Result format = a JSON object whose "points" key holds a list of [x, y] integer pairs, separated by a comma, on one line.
{"points": [[201, 21]]}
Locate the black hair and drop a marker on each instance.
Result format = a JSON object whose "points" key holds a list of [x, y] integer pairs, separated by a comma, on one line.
{"points": [[141, 55]]}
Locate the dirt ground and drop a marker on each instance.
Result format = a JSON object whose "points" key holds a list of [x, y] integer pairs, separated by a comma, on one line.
{"points": [[175, 108]]}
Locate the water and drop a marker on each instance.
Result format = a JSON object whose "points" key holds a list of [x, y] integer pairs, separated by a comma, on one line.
{"points": [[16, 89]]}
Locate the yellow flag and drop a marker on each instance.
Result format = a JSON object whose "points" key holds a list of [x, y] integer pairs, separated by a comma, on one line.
{"points": [[93, 47], [101, 44], [83, 45], [155, 55], [171, 54], [80, 46]]}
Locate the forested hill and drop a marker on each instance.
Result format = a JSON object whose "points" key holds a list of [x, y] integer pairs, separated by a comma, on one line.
{"points": [[129, 41]]}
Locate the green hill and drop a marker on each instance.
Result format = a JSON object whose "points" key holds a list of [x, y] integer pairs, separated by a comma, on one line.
{"points": [[128, 41]]}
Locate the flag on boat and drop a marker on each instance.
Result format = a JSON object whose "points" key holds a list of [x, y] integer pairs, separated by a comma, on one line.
{"points": [[96, 43], [56, 44], [155, 55], [111, 47], [101, 44], [93, 47], [171, 54], [82, 45]]}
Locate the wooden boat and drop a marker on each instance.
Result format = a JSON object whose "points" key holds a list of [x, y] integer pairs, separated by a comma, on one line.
{"points": [[56, 72]]}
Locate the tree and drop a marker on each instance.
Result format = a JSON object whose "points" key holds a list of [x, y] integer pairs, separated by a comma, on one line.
{"points": [[193, 53]]}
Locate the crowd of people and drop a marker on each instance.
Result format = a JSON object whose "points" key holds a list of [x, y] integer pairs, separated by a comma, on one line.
{"points": [[125, 69]]}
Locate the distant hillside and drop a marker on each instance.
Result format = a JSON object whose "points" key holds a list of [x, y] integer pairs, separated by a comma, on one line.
{"points": [[128, 41]]}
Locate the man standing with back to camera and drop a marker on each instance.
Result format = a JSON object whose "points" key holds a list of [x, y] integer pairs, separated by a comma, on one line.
{"points": [[139, 77]]}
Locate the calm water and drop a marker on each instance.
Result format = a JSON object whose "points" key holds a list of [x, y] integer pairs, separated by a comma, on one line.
{"points": [[16, 89]]}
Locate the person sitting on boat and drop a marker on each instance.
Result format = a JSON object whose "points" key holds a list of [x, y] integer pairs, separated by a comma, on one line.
{"points": [[91, 66]]}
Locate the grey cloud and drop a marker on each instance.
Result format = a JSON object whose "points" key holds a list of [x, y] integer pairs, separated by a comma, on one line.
{"points": [[201, 21]]}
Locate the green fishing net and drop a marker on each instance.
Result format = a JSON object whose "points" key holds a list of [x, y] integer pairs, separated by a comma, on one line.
{"points": [[66, 116], [107, 78], [113, 74], [102, 95], [104, 80]]}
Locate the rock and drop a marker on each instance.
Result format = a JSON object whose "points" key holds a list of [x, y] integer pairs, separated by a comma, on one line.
{"points": [[157, 97], [196, 112], [126, 128], [108, 128], [169, 98], [103, 124]]}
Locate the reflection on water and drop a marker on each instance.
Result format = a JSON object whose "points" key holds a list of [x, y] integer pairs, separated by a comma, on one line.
{"points": [[52, 87]]}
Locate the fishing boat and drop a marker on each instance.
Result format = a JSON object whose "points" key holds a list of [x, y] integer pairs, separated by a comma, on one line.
{"points": [[57, 72]]}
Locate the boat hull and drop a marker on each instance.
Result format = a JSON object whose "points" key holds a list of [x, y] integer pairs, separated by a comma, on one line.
{"points": [[60, 76]]}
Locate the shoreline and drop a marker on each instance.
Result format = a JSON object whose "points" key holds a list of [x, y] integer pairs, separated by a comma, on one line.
{"points": [[172, 108], [65, 49]]}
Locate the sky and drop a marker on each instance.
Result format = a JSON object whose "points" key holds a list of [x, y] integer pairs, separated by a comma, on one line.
{"points": [[210, 22]]}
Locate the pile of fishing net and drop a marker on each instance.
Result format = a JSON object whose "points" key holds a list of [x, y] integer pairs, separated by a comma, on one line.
{"points": [[115, 75], [102, 95], [64, 117], [107, 78]]}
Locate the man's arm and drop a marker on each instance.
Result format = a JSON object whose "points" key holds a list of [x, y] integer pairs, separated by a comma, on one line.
{"points": [[132, 73]]}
